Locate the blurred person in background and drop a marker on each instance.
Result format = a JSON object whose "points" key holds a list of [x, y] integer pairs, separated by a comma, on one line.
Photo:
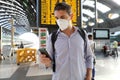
{"points": [[92, 45], [115, 46]]}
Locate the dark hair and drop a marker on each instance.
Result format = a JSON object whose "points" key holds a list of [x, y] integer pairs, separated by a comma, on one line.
{"points": [[90, 36], [63, 6]]}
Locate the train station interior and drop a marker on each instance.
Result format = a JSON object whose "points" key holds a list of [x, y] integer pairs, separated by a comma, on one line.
{"points": [[26, 24]]}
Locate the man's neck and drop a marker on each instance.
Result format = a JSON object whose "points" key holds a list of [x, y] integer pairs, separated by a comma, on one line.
{"points": [[69, 31]]}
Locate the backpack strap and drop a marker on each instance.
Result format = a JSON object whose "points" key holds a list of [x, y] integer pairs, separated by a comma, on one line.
{"points": [[53, 39], [83, 35]]}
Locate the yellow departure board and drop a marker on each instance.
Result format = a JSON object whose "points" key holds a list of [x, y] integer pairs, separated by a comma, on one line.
{"points": [[47, 10]]}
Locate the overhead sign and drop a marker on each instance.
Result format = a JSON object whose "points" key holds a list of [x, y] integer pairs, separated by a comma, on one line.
{"points": [[47, 10]]}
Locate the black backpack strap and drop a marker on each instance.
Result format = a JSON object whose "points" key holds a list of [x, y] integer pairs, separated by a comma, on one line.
{"points": [[83, 35], [53, 39]]}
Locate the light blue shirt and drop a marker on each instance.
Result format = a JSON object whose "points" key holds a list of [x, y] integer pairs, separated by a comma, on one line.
{"points": [[71, 61]]}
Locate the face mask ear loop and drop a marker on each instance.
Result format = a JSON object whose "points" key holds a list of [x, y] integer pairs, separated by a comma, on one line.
{"points": [[70, 22]]}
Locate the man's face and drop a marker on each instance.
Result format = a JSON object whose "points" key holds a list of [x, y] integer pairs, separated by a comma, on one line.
{"points": [[62, 14]]}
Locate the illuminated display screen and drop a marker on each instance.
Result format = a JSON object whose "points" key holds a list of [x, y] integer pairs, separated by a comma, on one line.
{"points": [[47, 10], [101, 33]]}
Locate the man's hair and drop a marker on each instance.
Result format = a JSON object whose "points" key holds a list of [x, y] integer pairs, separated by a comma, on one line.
{"points": [[63, 6], [90, 36]]}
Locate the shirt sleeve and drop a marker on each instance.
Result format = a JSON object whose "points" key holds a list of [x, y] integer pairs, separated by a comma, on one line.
{"points": [[88, 54], [49, 46]]}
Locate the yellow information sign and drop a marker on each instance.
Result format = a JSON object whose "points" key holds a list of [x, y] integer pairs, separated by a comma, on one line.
{"points": [[47, 10]]}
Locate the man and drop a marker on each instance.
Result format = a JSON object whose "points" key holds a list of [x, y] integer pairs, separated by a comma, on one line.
{"points": [[71, 61], [91, 42], [92, 45]]}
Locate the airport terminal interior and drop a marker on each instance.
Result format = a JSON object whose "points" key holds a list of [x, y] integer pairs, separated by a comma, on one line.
{"points": [[26, 24]]}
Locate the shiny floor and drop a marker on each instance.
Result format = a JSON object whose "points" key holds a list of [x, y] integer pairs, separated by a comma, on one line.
{"points": [[107, 68]]}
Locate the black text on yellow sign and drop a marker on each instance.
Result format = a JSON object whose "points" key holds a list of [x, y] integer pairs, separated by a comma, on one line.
{"points": [[47, 10]]}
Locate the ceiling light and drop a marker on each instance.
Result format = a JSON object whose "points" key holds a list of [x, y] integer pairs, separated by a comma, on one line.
{"points": [[113, 15], [25, 4], [100, 20], [101, 7], [1, 20], [89, 13], [32, 6], [89, 3], [6, 22], [17, 3], [34, 10], [84, 26], [85, 19], [2, 10], [91, 23]]}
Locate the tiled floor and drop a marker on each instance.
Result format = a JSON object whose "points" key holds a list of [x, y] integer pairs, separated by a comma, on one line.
{"points": [[6, 71], [36, 70], [107, 68]]}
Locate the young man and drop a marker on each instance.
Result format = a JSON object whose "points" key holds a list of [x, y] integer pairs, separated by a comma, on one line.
{"points": [[72, 63]]}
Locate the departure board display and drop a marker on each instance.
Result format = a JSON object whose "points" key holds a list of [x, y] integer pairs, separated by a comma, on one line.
{"points": [[47, 10], [101, 34]]}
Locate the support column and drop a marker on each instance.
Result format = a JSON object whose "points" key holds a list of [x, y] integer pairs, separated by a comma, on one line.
{"points": [[12, 33], [38, 13], [96, 14], [12, 37]]}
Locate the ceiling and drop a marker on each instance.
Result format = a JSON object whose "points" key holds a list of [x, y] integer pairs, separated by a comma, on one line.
{"points": [[24, 14], [22, 11], [107, 22]]}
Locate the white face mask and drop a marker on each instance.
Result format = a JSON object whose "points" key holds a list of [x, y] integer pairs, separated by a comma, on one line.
{"points": [[63, 23]]}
